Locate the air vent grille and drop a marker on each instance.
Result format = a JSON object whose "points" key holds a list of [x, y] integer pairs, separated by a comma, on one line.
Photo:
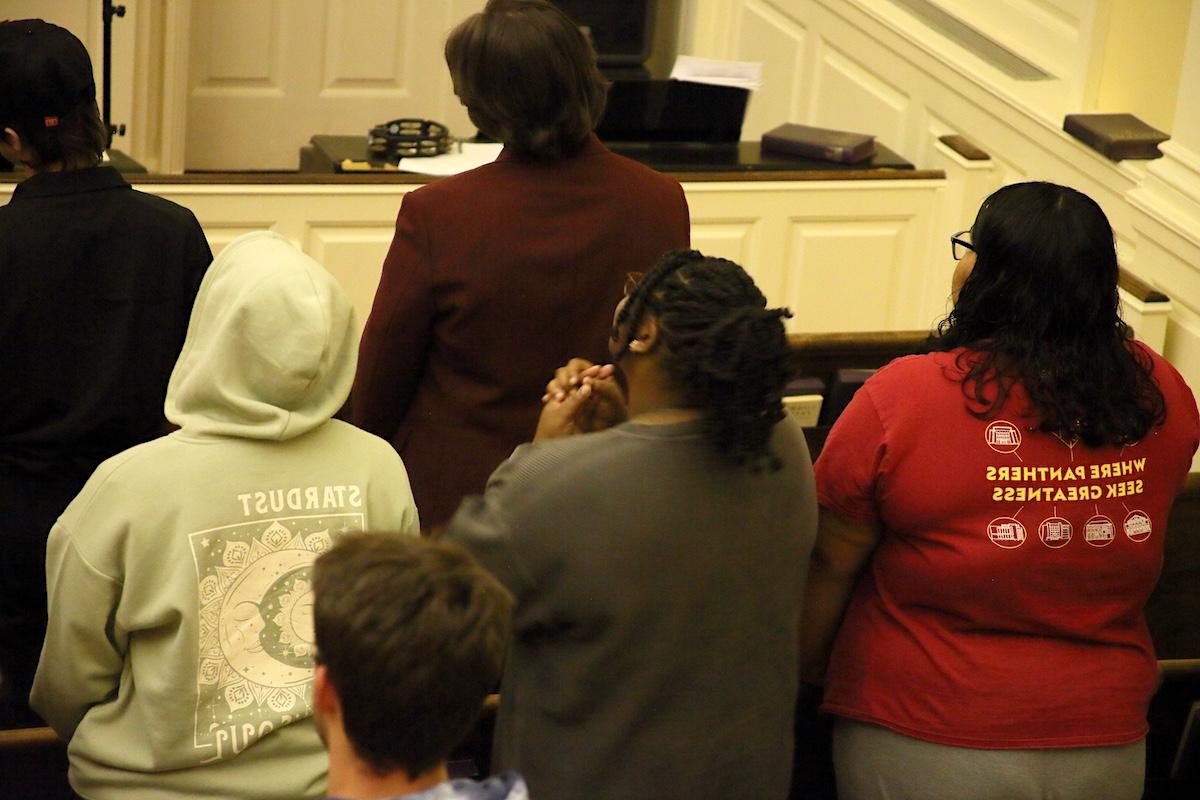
{"points": [[974, 40]]}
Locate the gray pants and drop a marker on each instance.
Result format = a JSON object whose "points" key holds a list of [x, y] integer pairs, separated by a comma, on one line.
{"points": [[875, 763]]}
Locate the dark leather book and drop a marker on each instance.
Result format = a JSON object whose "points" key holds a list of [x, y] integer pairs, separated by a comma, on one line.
{"points": [[843, 147], [1116, 136]]}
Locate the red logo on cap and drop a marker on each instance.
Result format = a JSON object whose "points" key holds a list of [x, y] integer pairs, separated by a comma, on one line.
{"points": [[51, 122]]}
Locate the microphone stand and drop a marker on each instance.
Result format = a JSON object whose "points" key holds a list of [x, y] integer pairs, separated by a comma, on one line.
{"points": [[109, 11]]}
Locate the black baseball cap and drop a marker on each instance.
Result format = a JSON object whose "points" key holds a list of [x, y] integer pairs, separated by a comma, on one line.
{"points": [[45, 73]]}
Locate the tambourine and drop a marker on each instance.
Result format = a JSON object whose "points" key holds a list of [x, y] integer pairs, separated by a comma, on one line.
{"points": [[407, 138]]}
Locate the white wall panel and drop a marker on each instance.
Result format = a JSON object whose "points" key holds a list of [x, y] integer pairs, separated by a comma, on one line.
{"points": [[768, 34], [731, 239], [850, 96], [846, 255], [220, 234], [354, 255], [841, 276], [365, 44], [238, 45]]}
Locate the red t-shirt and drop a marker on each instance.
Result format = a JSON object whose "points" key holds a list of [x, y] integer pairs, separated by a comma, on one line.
{"points": [[1002, 607]]}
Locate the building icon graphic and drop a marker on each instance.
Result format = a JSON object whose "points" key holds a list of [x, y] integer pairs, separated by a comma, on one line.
{"points": [[1002, 436], [1138, 523], [1137, 526], [1099, 529], [1056, 531], [1006, 532]]}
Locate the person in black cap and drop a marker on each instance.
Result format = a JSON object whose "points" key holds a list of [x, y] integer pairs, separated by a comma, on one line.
{"points": [[96, 286], [48, 99]]}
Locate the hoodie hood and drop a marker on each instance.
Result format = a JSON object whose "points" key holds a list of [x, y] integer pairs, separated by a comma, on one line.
{"points": [[271, 346]]}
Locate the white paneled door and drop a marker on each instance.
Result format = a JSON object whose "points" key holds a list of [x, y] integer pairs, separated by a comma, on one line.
{"points": [[265, 75]]}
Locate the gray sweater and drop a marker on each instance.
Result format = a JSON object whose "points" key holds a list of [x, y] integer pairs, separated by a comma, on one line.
{"points": [[658, 594]]}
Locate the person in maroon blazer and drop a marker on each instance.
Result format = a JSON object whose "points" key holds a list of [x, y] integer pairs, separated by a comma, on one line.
{"points": [[498, 275]]}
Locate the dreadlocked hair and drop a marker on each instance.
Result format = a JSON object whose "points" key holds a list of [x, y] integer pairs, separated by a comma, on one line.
{"points": [[724, 349]]}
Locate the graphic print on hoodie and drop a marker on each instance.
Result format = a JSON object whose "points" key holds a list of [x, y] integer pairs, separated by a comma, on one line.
{"points": [[179, 652], [256, 630]]}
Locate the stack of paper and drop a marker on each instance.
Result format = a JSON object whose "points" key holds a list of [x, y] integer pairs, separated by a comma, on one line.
{"points": [[740, 74], [473, 155]]}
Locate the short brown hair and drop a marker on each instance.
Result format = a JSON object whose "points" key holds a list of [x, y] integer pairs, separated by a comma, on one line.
{"points": [[528, 77], [79, 139], [412, 634], [48, 94]]}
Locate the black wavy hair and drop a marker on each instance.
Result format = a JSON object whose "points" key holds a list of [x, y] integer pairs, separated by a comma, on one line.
{"points": [[723, 348], [1040, 309]]}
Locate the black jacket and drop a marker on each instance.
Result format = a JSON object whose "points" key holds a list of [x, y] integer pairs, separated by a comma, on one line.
{"points": [[96, 287]]}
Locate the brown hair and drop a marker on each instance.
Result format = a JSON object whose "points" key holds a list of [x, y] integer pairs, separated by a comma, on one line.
{"points": [[412, 634], [77, 141], [528, 77]]}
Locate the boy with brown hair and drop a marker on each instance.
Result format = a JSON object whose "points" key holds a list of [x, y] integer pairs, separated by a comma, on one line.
{"points": [[411, 635]]}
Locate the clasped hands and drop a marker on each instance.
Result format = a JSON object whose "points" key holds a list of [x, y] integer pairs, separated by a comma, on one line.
{"points": [[581, 398]]}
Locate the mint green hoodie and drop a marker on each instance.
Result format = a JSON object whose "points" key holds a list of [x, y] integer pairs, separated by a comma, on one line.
{"points": [[178, 659]]}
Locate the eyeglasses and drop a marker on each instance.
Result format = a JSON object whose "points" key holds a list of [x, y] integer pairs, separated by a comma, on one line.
{"points": [[959, 246], [632, 280]]}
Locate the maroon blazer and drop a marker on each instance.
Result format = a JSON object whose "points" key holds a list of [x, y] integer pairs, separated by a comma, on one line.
{"points": [[494, 279]]}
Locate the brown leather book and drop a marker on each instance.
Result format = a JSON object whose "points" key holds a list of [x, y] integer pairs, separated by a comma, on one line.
{"points": [[824, 144], [1117, 136]]}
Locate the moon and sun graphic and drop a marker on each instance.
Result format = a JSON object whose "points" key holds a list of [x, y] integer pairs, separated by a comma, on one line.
{"points": [[256, 628]]}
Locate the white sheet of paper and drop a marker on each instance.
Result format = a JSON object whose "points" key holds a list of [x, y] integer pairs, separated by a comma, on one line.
{"points": [[742, 74], [474, 154]]}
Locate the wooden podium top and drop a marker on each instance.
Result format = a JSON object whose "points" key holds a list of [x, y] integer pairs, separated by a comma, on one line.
{"points": [[684, 161]]}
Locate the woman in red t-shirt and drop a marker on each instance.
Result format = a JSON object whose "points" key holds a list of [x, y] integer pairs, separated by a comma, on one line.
{"points": [[992, 521]]}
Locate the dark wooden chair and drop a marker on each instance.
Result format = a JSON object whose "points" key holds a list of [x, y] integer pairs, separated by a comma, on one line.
{"points": [[1173, 746], [33, 761], [33, 764], [821, 355]]}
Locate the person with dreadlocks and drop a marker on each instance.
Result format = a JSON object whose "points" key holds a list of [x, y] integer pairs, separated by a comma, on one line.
{"points": [[992, 522], [657, 564]]}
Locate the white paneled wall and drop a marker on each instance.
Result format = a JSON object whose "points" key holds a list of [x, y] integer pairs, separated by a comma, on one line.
{"points": [[781, 43], [856, 97], [844, 255], [346, 228], [868, 65]]}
